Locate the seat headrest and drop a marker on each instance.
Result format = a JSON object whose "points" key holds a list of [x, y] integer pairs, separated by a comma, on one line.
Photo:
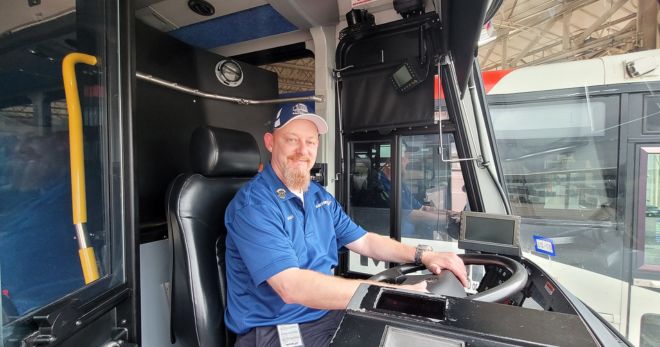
{"points": [[223, 152]]}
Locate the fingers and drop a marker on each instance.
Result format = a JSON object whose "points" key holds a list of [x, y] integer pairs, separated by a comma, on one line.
{"points": [[419, 287], [451, 262], [458, 268], [464, 280]]}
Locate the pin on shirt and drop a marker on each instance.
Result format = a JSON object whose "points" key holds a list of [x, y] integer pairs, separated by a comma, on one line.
{"points": [[281, 193]]}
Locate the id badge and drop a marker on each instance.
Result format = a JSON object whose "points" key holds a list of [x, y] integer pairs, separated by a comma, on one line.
{"points": [[289, 335]]}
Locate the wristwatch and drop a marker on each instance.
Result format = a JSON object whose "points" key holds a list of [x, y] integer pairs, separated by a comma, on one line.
{"points": [[419, 250]]}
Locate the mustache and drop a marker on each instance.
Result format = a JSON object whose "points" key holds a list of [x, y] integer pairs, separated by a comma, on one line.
{"points": [[299, 157]]}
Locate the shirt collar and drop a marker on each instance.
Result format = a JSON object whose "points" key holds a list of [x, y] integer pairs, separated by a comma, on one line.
{"points": [[276, 185]]}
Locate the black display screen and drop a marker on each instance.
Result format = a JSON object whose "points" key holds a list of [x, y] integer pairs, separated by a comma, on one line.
{"points": [[402, 76], [490, 232], [493, 230]]}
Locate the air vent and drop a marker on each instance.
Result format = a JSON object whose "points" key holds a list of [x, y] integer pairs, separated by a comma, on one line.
{"points": [[201, 7]]}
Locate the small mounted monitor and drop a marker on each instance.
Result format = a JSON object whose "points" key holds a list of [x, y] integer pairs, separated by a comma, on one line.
{"points": [[490, 233]]}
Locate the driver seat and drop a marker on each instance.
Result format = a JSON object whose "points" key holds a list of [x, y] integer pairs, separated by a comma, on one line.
{"points": [[222, 161]]}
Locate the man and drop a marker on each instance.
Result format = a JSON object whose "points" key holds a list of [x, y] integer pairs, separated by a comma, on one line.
{"points": [[282, 243]]}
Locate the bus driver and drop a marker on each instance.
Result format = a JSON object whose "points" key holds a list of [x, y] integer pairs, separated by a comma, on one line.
{"points": [[283, 237]]}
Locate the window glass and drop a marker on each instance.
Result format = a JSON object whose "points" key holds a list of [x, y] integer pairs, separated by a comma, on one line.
{"points": [[560, 161], [39, 260], [650, 330], [369, 206], [559, 158], [431, 194], [652, 113], [649, 230]]}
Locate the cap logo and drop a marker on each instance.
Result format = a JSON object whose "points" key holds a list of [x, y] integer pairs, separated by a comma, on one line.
{"points": [[299, 109], [277, 119]]}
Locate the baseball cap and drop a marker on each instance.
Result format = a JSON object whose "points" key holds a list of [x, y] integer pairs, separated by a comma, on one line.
{"points": [[289, 112]]}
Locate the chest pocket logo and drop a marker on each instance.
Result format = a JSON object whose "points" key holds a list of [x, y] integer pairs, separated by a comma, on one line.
{"points": [[323, 203], [290, 217]]}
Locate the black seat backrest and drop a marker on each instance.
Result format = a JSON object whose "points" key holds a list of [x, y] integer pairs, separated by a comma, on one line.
{"points": [[223, 160]]}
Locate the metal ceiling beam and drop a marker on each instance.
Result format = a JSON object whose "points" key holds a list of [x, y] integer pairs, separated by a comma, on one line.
{"points": [[289, 65], [593, 44], [534, 20], [647, 23], [566, 30], [620, 20], [552, 45], [533, 41], [605, 16]]}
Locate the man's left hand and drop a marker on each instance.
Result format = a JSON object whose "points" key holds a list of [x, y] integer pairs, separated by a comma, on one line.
{"points": [[436, 262]]}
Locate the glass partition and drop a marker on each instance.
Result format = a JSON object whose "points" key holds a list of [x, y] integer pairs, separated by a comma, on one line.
{"points": [[39, 258], [370, 191], [416, 192], [432, 191]]}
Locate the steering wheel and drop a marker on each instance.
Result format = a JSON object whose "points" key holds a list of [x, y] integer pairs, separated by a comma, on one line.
{"points": [[447, 284]]}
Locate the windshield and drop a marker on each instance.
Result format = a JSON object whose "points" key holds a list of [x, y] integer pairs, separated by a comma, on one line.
{"points": [[581, 167]]}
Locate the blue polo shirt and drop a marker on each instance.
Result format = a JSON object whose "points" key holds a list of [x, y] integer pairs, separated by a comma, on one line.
{"points": [[268, 231]]}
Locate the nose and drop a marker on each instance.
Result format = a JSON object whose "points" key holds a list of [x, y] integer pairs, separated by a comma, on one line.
{"points": [[302, 147]]}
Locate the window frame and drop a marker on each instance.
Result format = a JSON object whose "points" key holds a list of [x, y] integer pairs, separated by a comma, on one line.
{"points": [[639, 242]]}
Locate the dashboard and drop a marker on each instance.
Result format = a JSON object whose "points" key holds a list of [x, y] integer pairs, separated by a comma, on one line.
{"points": [[539, 314]]}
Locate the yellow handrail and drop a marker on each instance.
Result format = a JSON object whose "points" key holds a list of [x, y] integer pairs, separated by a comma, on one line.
{"points": [[78, 199]]}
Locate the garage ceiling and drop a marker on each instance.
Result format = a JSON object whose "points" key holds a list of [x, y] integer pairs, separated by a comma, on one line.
{"points": [[532, 32]]}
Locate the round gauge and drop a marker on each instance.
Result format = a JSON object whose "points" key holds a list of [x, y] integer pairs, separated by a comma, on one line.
{"points": [[229, 73]]}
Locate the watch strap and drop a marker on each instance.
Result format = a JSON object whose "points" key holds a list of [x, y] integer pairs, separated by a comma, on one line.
{"points": [[419, 251]]}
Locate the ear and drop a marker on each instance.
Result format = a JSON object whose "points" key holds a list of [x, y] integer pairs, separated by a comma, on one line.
{"points": [[268, 141]]}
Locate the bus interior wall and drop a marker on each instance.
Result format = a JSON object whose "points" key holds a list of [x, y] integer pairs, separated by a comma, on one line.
{"points": [[165, 118]]}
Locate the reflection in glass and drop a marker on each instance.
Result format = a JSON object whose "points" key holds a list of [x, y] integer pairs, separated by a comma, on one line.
{"points": [[558, 157], [560, 161], [369, 206], [432, 192], [652, 214], [39, 259]]}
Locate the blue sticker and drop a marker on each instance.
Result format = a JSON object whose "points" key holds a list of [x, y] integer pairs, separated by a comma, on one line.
{"points": [[544, 245]]}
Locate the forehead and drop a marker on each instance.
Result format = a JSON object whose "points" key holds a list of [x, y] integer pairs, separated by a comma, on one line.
{"points": [[298, 127]]}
